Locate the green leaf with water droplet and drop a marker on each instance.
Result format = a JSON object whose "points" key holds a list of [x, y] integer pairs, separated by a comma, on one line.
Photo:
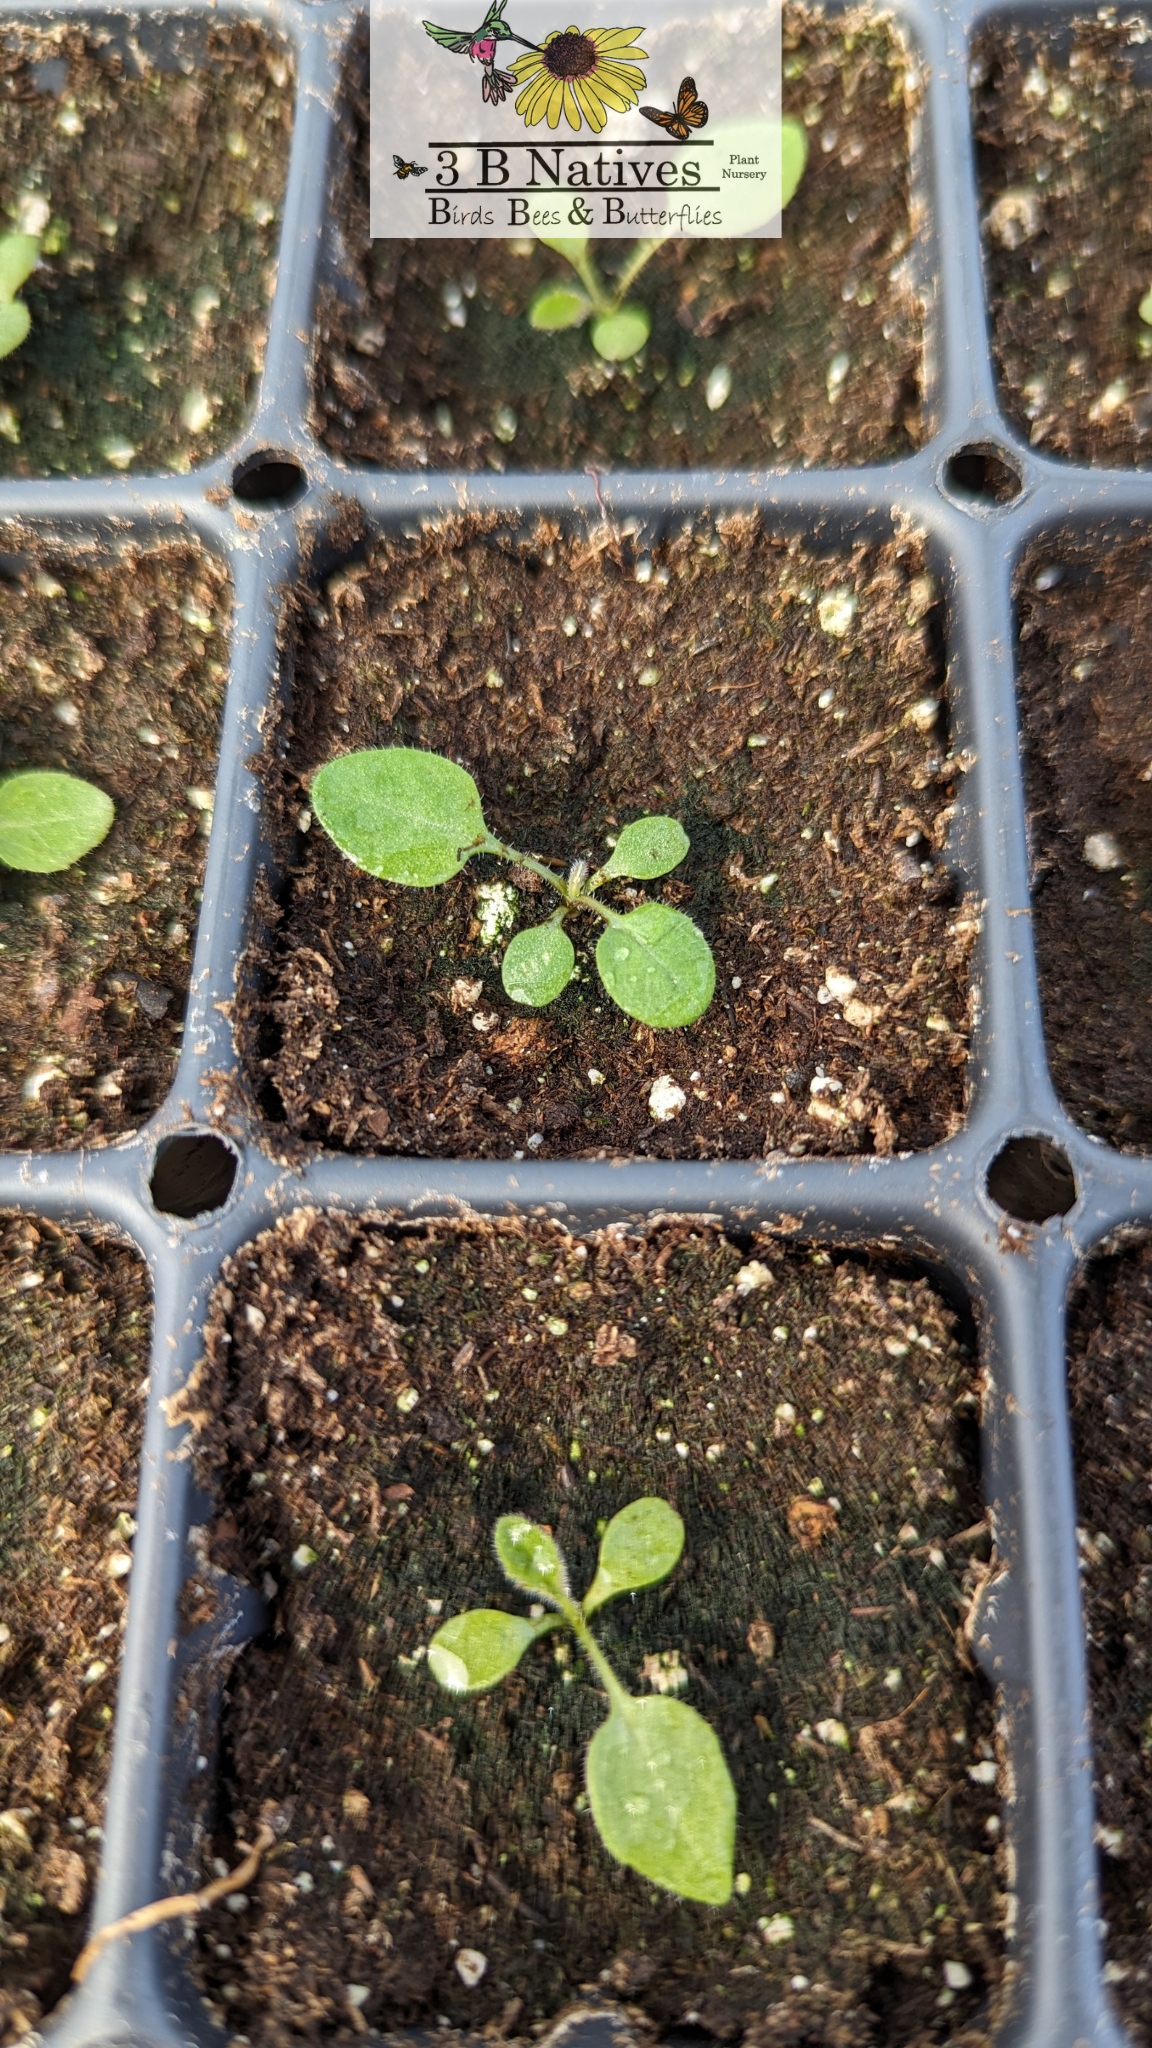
{"points": [[49, 820], [530, 1557], [647, 848], [619, 336], [663, 1799], [639, 1547], [400, 813], [657, 965], [478, 1649], [538, 965], [557, 306]]}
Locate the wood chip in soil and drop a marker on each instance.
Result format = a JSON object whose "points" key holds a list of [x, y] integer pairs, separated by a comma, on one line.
{"points": [[75, 1325], [112, 669], [1085, 650], [820, 330], [787, 706], [1061, 117], [1110, 1391], [371, 1399], [153, 168]]}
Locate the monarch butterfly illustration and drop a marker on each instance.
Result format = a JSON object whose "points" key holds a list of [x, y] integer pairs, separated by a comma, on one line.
{"points": [[690, 113], [404, 170]]}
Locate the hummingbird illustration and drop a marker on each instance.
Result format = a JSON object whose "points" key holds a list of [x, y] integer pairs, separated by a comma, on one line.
{"points": [[480, 44]]}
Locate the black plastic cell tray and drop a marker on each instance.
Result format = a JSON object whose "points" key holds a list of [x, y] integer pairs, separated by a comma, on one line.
{"points": [[934, 1204]]}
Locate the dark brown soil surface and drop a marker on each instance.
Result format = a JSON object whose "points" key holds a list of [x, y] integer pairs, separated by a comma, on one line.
{"points": [[1110, 1388], [113, 670], [1062, 119], [1084, 661], [425, 1053], [833, 1404], [155, 179], [75, 1322], [821, 330]]}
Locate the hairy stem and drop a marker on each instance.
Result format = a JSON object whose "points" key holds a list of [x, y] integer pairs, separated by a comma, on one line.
{"points": [[573, 1615], [592, 282], [642, 253]]}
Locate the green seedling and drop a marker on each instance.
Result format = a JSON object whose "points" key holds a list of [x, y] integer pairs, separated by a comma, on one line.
{"points": [[620, 328], [49, 820], [412, 817], [660, 1791], [19, 255]]}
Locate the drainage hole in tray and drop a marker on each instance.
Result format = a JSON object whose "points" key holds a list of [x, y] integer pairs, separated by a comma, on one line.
{"points": [[269, 477], [981, 475], [193, 1175], [1032, 1179]]}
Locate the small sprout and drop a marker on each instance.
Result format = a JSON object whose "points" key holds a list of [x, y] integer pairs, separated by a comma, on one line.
{"points": [[49, 820], [196, 410], [470, 1967], [302, 1557], [778, 1930], [118, 452], [412, 817], [407, 1400], [957, 1976], [658, 1786], [505, 424], [19, 255], [834, 1733], [205, 302], [838, 370], [718, 388]]}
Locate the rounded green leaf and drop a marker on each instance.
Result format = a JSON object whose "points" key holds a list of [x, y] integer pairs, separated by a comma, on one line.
{"points": [[556, 306], [658, 966], [48, 820], [19, 255], [530, 1557], [570, 246], [793, 156], [618, 336], [662, 1797], [538, 965], [400, 813], [15, 321], [647, 848], [640, 1546], [478, 1649]]}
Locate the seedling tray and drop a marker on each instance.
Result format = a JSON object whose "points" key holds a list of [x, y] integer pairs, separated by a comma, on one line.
{"points": [[1008, 1207]]}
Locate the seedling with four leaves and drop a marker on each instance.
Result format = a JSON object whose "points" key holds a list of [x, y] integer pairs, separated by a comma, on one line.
{"points": [[621, 327], [659, 1789], [413, 817]]}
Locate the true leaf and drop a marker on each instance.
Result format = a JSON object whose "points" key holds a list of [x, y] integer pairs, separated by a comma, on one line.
{"points": [[647, 848], [662, 1797], [48, 820], [399, 813], [640, 1546], [476, 1650], [556, 306], [571, 246], [530, 1557], [15, 321], [657, 965], [19, 255], [538, 965], [618, 336]]}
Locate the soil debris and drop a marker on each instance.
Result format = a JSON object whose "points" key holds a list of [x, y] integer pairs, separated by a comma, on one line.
{"points": [[75, 1325], [1085, 651], [1062, 116], [1110, 1391]]}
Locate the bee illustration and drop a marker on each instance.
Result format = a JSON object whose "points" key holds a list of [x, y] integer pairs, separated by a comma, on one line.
{"points": [[690, 113], [404, 170]]}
